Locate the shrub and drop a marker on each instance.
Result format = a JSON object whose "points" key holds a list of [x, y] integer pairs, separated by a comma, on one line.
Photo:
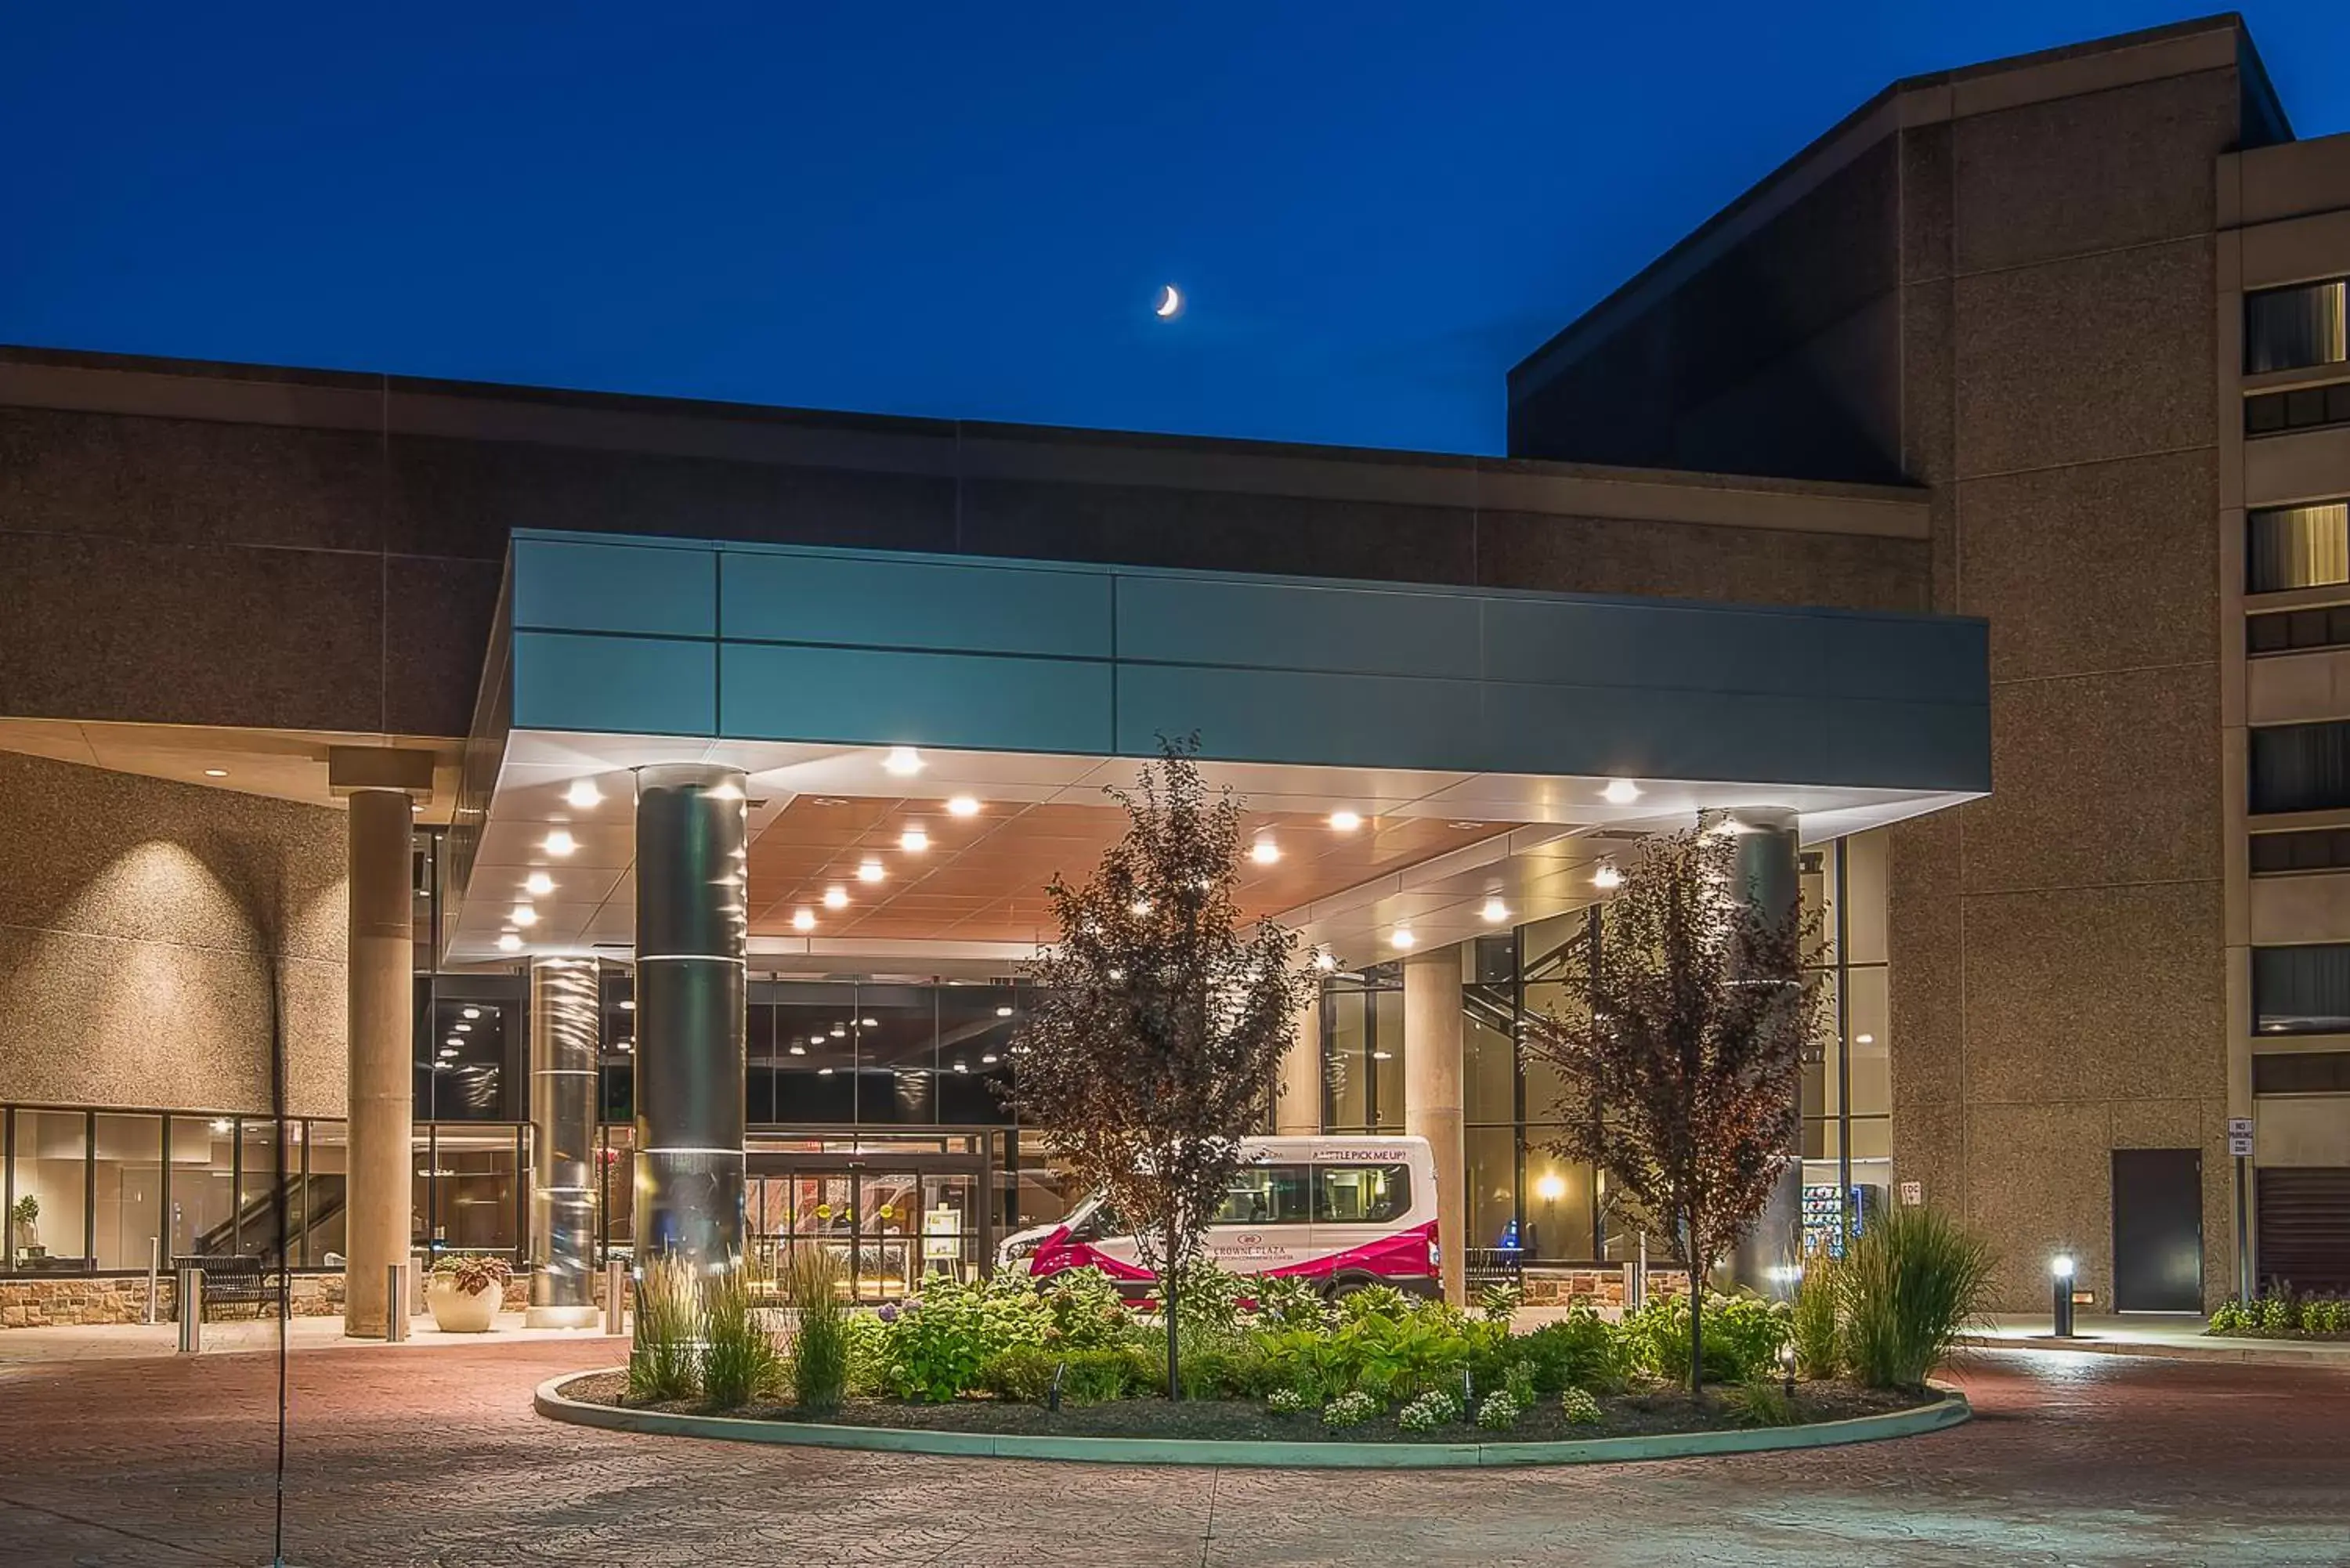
{"points": [[1812, 1323], [1910, 1285], [668, 1329], [1760, 1402], [1499, 1302], [1742, 1337], [1350, 1410], [1207, 1299], [1086, 1311], [868, 1354], [820, 1338], [1285, 1402], [1022, 1375], [1428, 1412], [1373, 1301], [1518, 1383], [2280, 1312], [1499, 1412], [2325, 1316], [1581, 1350], [1579, 1407], [2230, 1317], [1230, 1366], [1288, 1301], [739, 1361], [941, 1339]]}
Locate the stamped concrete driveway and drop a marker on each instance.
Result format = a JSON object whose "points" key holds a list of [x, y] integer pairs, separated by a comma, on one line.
{"points": [[404, 1455]]}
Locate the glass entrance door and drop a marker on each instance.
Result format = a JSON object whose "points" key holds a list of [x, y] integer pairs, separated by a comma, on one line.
{"points": [[887, 1224]]}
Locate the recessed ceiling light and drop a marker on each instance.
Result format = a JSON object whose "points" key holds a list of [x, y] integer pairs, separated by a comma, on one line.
{"points": [[1345, 821], [627, 1045], [538, 884], [628, 1004], [870, 871], [1863, 1039], [960, 1067], [903, 761], [815, 1039], [804, 919], [215, 773], [583, 794], [1004, 1013], [560, 842], [523, 915], [868, 1024], [1325, 961], [1402, 937], [835, 897], [799, 1050], [1494, 912], [463, 1028], [1464, 827], [1608, 876], [824, 1072], [446, 1053], [454, 1040], [223, 1124], [1620, 792], [838, 1031], [988, 1060], [472, 1012], [1264, 852], [963, 806], [509, 943], [913, 841], [1382, 1056]]}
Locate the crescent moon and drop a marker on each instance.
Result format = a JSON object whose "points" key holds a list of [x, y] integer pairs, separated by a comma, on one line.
{"points": [[1170, 305]]}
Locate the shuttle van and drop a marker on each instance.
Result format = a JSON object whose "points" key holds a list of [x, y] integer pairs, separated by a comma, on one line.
{"points": [[1342, 1211]]}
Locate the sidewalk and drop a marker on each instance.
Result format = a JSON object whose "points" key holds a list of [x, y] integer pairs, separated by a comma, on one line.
{"points": [[21, 1347], [2178, 1338]]}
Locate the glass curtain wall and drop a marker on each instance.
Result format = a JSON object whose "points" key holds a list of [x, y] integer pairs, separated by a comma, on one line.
{"points": [[1848, 1080], [1362, 1050]]}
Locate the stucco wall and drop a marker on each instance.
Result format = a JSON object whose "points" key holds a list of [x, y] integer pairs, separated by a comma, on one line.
{"points": [[140, 924]]}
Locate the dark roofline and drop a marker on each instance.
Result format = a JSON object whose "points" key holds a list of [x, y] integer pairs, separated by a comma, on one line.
{"points": [[2271, 109]]}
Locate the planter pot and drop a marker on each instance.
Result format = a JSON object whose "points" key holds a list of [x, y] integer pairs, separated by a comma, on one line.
{"points": [[456, 1312]]}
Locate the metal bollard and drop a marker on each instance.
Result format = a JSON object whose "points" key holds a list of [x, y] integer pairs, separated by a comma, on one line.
{"points": [[192, 1311], [615, 1297], [154, 1278], [1636, 1287], [395, 1302]]}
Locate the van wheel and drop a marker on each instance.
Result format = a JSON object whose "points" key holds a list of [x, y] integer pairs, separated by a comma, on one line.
{"points": [[1346, 1285]]}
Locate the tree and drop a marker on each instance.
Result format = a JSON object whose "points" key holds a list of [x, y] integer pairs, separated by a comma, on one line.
{"points": [[1681, 1080], [1160, 1018]]}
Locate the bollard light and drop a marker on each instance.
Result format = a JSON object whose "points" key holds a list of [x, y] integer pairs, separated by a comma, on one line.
{"points": [[1788, 1365], [2061, 1270]]}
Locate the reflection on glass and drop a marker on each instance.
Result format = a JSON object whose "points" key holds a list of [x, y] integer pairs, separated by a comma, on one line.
{"points": [[127, 1189]]}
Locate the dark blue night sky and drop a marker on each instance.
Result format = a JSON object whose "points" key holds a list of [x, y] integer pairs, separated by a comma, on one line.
{"points": [[956, 210]]}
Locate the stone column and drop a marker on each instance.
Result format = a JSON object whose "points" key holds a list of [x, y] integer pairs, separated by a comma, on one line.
{"points": [[379, 975], [563, 1038], [691, 936], [1431, 1097], [1298, 1109], [1768, 877]]}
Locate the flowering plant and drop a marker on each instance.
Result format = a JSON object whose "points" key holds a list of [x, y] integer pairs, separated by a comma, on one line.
{"points": [[473, 1273]]}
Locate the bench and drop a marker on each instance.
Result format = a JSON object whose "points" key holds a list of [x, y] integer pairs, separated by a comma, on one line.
{"points": [[233, 1281]]}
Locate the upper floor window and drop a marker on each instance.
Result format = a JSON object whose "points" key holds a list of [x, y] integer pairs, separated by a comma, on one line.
{"points": [[2297, 548], [2302, 991], [2296, 327], [2301, 767], [2300, 408]]}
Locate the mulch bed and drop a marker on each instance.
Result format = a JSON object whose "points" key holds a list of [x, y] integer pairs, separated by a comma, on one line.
{"points": [[1631, 1415]]}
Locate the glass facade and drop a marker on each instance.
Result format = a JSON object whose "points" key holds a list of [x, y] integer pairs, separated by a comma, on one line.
{"points": [[1362, 1050]]}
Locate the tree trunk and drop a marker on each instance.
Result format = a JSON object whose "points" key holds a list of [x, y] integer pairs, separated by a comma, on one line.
{"points": [[1697, 1333], [1167, 1299]]}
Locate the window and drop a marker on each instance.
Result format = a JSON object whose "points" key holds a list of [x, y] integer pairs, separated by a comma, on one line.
{"points": [[1264, 1195], [47, 1180], [2301, 767], [2302, 989], [2302, 1073], [127, 1185], [2295, 631], [2297, 548], [2293, 328], [1362, 1050], [2304, 407], [1361, 1194], [2317, 850]]}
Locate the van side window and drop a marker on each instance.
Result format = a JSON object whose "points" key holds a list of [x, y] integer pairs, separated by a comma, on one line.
{"points": [[1361, 1194], [1264, 1195]]}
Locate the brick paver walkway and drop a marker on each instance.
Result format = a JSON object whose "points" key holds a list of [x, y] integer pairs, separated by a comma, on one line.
{"points": [[410, 1456]]}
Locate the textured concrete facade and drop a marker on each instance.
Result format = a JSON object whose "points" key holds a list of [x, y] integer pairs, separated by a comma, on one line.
{"points": [[138, 923]]}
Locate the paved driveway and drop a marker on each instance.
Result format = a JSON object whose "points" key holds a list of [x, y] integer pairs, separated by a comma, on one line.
{"points": [[410, 1455]]}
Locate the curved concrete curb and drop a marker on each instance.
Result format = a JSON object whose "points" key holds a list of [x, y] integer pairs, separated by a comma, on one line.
{"points": [[1948, 1411]]}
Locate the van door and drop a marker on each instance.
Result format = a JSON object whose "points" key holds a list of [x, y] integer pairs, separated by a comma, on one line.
{"points": [[1358, 1204]]}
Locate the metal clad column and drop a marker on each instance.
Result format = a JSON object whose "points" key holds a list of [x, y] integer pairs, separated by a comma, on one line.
{"points": [[691, 931], [381, 982], [1769, 877], [564, 1041]]}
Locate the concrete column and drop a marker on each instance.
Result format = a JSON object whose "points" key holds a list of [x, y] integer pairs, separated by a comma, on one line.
{"points": [[563, 1037], [1768, 877], [1297, 1110], [692, 933], [380, 977], [1431, 1097]]}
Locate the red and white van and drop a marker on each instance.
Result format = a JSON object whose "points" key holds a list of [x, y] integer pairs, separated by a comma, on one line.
{"points": [[1344, 1211]]}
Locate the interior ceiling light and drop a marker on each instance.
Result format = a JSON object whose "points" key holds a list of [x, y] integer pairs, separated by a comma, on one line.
{"points": [[903, 760], [509, 943], [870, 871], [454, 1040], [1403, 938], [913, 841], [838, 1030], [1004, 1013], [1608, 876], [1325, 961], [963, 806], [476, 1013], [835, 897], [803, 920], [560, 842], [628, 1004], [868, 1024], [583, 794], [799, 1050], [824, 1072], [1494, 912], [215, 773], [988, 1060], [223, 1124], [1264, 852], [538, 884], [961, 1068], [1863, 1039], [1620, 792], [523, 915], [462, 1027], [1344, 821]]}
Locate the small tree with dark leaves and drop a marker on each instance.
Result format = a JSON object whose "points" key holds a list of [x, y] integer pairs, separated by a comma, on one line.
{"points": [[1160, 1015], [1680, 1078]]}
